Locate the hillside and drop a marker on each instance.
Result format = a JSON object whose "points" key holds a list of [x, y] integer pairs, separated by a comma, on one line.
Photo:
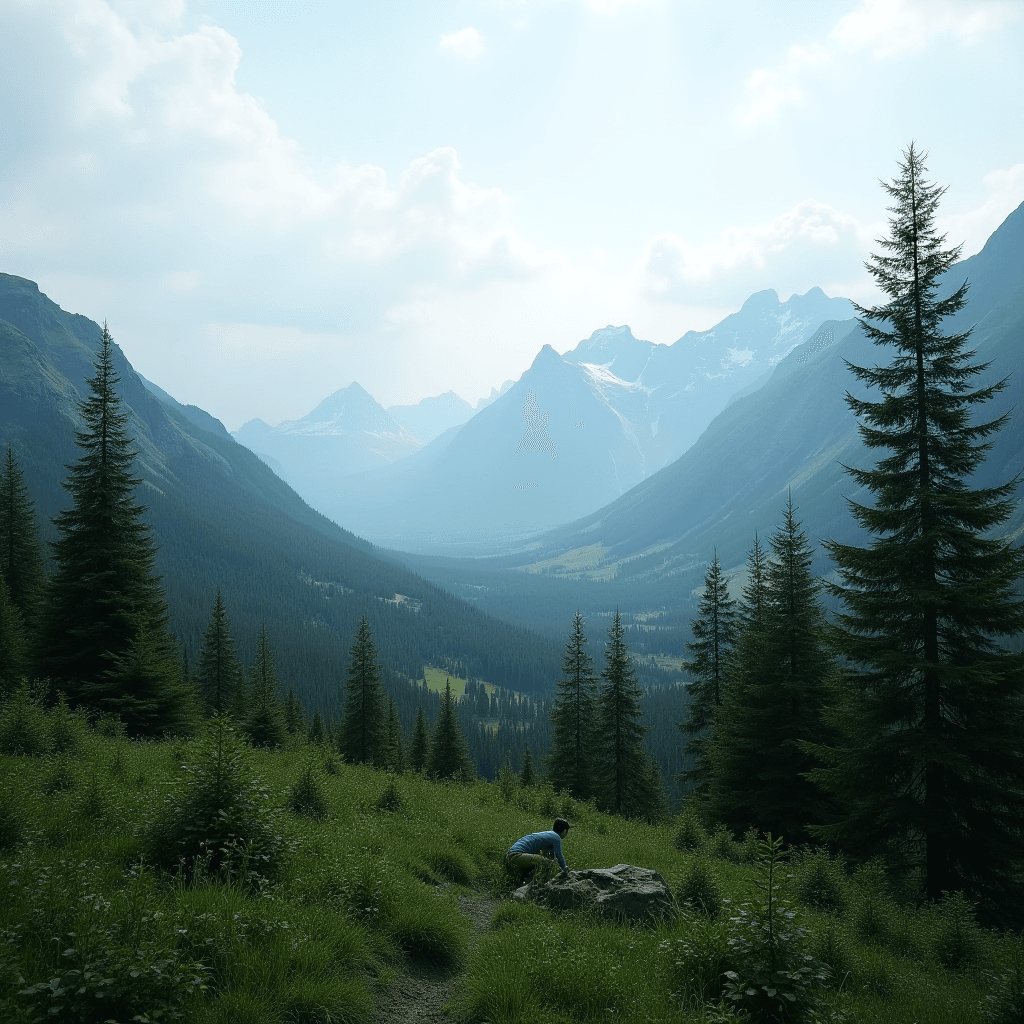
{"points": [[222, 519]]}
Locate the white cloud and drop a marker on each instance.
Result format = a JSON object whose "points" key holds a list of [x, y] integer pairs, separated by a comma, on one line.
{"points": [[467, 43], [1005, 188], [883, 28], [812, 243]]}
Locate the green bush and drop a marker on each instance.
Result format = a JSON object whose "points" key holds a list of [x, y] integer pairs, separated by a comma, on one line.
{"points": [[831, 947], [821, 883], [430, 929], [750, 846], [1004, 1001], [391, 798], [689, 833], [61, 777], [218, 817], [723, 846], [12, 819], [699, 888], [24, 728], [68, 728], [699, 961], [957, 943], [449, 864], [873, 973], [871, 903], [775, 976], [306, 796]]}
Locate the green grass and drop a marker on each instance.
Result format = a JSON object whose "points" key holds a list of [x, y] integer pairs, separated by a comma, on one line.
{"points": [[369, 884]]}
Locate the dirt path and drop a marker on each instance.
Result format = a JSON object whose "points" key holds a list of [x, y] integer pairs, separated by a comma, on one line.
{"points": [[422, 991]]}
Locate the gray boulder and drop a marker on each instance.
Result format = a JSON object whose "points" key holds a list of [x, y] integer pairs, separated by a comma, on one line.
{"points": [[624, 892]]}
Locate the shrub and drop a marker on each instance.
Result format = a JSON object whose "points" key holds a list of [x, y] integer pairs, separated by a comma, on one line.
{"points": [[957, 941], [449, 864], [391, 798], [750, 846], [821, 883], [218, 817], [331, 763], [874, 974], [700, 889], [699, 961], [67, 728], [306, 796], [871, 903], [1004, 1003], [721, 844], [831, 946], [61, 778], [24, 728], [775, 977], [430, 930], [689, 835]]}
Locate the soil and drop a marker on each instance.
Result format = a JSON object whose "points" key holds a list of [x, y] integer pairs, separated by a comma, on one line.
{"points": [[423, 990]]}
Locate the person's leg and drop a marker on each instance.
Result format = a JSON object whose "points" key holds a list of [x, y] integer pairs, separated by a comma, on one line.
{"points": [[523, 863]]}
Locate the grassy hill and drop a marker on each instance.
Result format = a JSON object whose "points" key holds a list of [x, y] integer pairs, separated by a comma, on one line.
{"points": [[392, 893]]}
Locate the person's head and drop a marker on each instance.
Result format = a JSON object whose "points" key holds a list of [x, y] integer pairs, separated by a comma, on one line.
{"points": [[561, 826]]}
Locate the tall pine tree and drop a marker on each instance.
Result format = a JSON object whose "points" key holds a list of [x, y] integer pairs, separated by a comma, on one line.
{"points": [[13, 646], [775, 700], [622, 777], [106, 609], [264, 724], [930, 765], [220, 671], [570, 757], [449, 756], [714, 634], [364, 736], [21, 552], [419, 748]]}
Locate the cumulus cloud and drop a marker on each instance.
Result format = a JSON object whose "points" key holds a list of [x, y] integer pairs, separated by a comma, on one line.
{"points": [[467, 43], [812, 243], [882, 28]]}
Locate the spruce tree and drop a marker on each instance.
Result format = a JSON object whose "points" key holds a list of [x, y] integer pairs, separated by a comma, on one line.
{"points": [[570, 757], [526, 774], [449, 756], [21, 552], [295, 715], [105, 596], [621, 773], [364, 721], [220, 671], [775, 701], [395, 755], [264, 725], [13, 646], [419, 749], [714, 634], [930, 765], [316, 733]]}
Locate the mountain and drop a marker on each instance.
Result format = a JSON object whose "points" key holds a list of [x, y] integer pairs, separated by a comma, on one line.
{"points": [[223, 520], [348, 432], [495, 394], [432, 416], [572, 434]]}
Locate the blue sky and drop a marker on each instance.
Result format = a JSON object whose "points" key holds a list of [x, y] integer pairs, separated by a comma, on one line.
{"points": [[269, 200]]}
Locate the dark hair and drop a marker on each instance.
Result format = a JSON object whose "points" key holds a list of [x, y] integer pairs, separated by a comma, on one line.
{"points": [[560, 825]]}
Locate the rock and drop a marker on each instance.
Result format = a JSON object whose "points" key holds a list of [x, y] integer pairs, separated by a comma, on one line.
{"points": [[624, 892]]}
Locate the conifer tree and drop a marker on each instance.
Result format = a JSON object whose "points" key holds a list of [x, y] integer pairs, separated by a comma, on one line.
{"points": [[105, 596], [264, 725], [930, 765], [714, 634], [570, 757], [21, 552], [526, 775], [316, 729], [220, 671], [449, 756], [775, 701], [419, 749], [13, 648], [396, 755], [621, 771], [295, 715], [364, 721]]}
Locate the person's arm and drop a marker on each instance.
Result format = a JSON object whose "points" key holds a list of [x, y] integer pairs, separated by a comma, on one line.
{"points": [[557, 847]]}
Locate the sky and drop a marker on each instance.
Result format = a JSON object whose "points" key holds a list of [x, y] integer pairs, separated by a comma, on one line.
{"points": [[267, 200]]}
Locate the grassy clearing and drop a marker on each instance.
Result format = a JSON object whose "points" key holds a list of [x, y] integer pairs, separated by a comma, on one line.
{"points": [[362, 882]]}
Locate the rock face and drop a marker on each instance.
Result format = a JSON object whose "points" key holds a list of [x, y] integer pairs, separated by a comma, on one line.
{"points": [[624, 892]]}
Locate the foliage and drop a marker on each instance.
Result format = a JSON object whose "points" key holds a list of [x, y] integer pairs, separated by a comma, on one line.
{"points": [[689, 835], [420, 746], [220, 671], [526, 776], [1004, 999], [218, 818], [449, 756], [821, 882], [929, 766], [306, 796], [395, 759], [264, 725], [21, 552], [106, 639], [571, 756], [775, 978], [714, 635], [391, 798], [621, 777], [24, 728], [316, 735], [14, 642], [774, 701], [699, 888], [364, 726], [957, 941]]}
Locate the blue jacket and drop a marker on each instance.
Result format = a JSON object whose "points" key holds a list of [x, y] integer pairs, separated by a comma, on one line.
{"points": [[537, 841]]}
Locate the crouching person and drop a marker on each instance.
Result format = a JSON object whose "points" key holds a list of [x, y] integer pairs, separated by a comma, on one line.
{"points": [[526, 854]]}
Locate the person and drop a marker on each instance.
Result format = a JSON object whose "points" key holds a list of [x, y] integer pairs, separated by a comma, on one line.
{"points": [[524, 855]]}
